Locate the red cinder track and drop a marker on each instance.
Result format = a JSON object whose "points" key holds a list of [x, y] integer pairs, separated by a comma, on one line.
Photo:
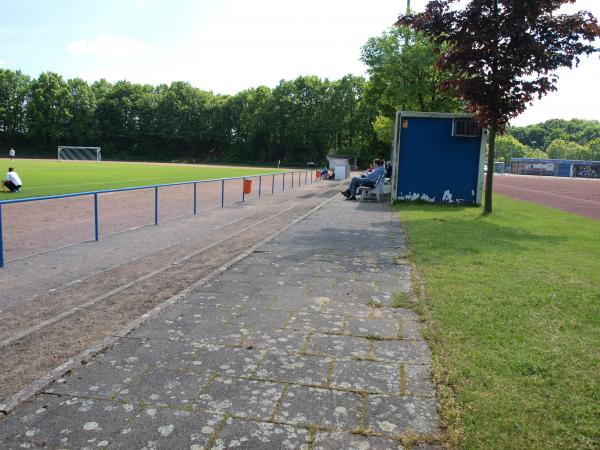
{"points": [[577, 195]]}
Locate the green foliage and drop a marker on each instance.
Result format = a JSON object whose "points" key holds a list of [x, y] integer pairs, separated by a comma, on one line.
{"points": [[384, 129], [594, 146], [514, 334], [508, 147], [561, 149], [14, 89], [298, 121], [403, 76], [543, 134], [48, 108]]}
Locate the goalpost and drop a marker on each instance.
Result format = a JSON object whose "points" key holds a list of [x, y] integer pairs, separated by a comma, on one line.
{"points": [[69, 153]]}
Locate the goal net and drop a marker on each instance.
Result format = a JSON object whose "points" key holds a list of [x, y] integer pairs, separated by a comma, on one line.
{"points": [[66, 153]]}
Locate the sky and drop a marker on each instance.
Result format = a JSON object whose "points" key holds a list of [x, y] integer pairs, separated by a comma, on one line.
{"points": [[226, 46]]}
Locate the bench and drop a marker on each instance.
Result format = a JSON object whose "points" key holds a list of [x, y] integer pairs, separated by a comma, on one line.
{"points": [[367, 192]]}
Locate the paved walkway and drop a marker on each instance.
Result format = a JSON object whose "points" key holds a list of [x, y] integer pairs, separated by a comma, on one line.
{"points": [[292, 347]]}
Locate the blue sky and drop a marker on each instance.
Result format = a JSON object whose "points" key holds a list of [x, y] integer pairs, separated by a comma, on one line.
{"points": [[227, 45]]}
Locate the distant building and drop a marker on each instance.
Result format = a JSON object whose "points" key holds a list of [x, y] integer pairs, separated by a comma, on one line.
{"points": [[341, 165], [555, 167]]}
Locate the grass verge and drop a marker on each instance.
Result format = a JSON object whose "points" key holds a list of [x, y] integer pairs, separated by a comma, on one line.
{"points": [[512, 304]]}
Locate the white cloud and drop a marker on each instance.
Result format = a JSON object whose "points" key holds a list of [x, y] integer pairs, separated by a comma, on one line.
{"points": [[108, 47]]}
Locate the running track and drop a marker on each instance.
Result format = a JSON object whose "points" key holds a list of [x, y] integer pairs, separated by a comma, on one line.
{"points": [[576, 195]]}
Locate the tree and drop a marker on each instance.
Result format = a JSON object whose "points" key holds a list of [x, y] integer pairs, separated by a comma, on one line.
{"points": [[48, 108], [508, 147], [403, 75], [503, 53], [542, 134], [14, 88], [561, 149], [594, 146], [81, 126]]}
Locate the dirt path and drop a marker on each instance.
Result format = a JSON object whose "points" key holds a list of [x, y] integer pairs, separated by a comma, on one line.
{"points": [[576, 195], [48, 327]]}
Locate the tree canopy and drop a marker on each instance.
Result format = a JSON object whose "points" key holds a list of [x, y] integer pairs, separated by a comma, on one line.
{"points": [[403, 74], [297, 121]]}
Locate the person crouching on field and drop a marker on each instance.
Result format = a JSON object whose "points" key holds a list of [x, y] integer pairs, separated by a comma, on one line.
{"points": [[12, 182], [369, 180]]}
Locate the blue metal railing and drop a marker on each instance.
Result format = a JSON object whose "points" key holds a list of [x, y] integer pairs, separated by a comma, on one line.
{"points": [[156, 187]]}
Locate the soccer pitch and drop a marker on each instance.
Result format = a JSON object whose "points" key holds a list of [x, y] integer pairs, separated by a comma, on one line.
{"points": [[51, 177]]}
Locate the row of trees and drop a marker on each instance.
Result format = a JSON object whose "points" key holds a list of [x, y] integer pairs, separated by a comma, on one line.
{"points": [[297, 121], [556, 138]]}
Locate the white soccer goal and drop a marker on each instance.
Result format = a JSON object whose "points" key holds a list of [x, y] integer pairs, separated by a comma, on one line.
{"points": [[68, 153]]}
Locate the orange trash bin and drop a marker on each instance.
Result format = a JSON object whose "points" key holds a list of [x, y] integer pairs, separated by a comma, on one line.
{"points": [[318, 174], [247, 186]]}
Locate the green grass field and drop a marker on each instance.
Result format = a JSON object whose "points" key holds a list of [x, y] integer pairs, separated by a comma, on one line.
{"points": [[512, 303], [47, 177]]}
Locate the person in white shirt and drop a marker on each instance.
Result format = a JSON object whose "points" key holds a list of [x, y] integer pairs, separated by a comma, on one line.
{"points": [[12, 182], [11, 154]]}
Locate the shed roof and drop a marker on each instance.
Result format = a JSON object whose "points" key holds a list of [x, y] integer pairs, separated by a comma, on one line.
{"points": [[558, 161]]}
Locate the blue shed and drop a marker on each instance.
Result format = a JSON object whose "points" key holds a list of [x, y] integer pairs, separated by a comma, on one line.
{"points": [[438, 157]]}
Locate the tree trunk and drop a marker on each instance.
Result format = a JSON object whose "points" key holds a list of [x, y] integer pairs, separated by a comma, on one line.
{"points": [[489, 179]]}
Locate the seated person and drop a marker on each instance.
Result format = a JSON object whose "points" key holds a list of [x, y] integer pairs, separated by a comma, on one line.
{"points": [[369, 180], [12, 182]]}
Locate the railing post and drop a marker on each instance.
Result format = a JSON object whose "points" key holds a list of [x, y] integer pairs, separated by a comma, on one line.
{"points": [[1, 241], [243, 189], [259, 185], [195, 196], [96, 216], [292, 180], [283, 181], [273, 185], [155, 205], [223, 193]]}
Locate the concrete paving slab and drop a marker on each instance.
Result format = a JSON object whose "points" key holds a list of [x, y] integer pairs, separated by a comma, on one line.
{"points": [[385, 328], [317, 322], [340, 410], [173, 354], [164, 428], [227, 361], [339, 346], [348, 309], [366, 376], [290, 341], [261, 318], [66, 422], [260, 436], [346, 441], [406, 351], [98, 379], [418, 379], [393, 415], [282, 367], [240, 397], [164, 387]]}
